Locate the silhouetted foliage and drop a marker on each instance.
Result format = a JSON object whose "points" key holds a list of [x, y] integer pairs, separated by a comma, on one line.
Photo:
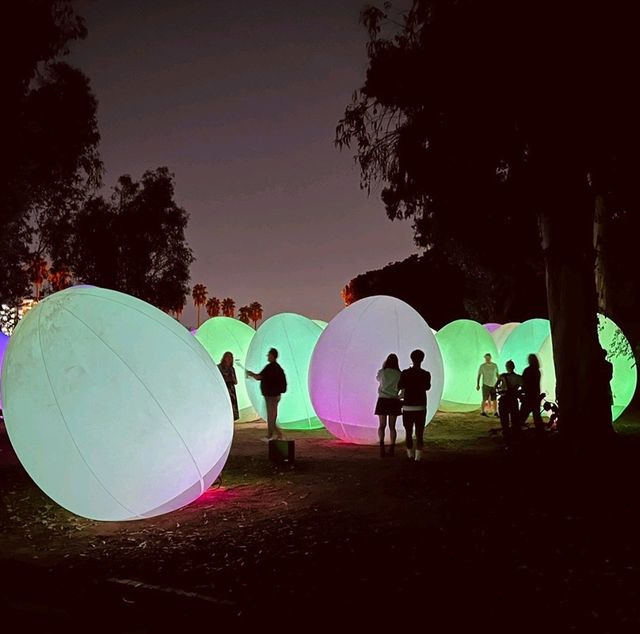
{"points": [[49, 137], [134, 242], [213, 307], [486, 119]]}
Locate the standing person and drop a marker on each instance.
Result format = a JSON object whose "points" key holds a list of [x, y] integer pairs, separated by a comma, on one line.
{"points": [[532, 393], [488, 372], [229, 375], [509, 385], [415, 383], [388, 406], [273, 383]]}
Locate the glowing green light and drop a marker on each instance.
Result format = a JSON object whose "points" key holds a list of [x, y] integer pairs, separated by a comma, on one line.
{"points": [[320, 322], [463, 344], [221, 334], [525, 339], [295, 337], [501, 334]]}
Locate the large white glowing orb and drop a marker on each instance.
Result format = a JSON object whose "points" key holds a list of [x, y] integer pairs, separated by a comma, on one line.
{"points": [[225, 334], [463, 344], [294, 337], [351, 350], [113, 408], [619, 353]]}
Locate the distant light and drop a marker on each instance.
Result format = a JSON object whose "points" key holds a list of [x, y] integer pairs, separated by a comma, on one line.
{"points": [[114, 410], [349, 353]]}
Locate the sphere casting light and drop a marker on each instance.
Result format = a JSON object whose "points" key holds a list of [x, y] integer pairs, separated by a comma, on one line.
{"points": [[113, 408]]}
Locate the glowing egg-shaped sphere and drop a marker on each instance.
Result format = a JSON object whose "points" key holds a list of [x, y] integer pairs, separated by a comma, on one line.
{"points": [[463, 344], [294, 337], [524, 340], [501, 334], [225, 334], [348, 355], [320, 322], [619, 353], [492, 327], [4, 342], [113, 408]]}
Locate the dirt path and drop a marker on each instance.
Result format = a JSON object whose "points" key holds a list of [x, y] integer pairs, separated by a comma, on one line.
{"points": [[520, 537]]}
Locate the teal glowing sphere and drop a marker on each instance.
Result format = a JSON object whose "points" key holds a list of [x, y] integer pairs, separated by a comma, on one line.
{"points": [[4, 342], [525, 339], [294, 337], [501, 334], [320, 322], [113, 408], [463, 344], [221, 334], [619, 353]]}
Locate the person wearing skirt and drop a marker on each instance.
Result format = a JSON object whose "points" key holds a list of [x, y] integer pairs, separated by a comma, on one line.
{"points": [[388, 406]]}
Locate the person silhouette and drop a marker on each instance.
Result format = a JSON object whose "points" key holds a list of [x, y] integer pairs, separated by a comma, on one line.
{"points": [[273, 383], [230, 380], [488, 372], [388, 406], [532, 393], [414, 384], [508, 387]]}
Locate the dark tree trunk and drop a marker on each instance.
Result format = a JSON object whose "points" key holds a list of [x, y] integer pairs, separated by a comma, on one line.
{"points": [[582, 390]]}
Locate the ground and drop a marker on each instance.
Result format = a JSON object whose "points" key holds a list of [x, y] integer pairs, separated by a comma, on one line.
{"points": [[478, 534]]}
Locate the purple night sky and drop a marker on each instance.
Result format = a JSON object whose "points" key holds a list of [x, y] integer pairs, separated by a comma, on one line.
{"points": [[240, 101]]}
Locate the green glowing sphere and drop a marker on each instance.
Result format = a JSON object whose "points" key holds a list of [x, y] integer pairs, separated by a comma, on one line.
{"points": [[619, 353], [320, 322], [221, 334], [525, 339], [112, 407], [294, 337], [463, 344], [501, 334]]}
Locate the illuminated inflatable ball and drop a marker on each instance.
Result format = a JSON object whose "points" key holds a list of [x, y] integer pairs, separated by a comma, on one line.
{"points": [[4, 342], [320, 322], [221, 334], [619, 353], [113, 408], [348, 355], [294, 337], [527, 338], [501, 334], [491, 327], [463, 344]]}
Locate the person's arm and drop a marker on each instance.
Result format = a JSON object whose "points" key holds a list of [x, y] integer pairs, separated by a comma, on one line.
{"points": [[253, 375], [478, 378], [235, 378], [378, 375], [401, 382], [428, 381]]}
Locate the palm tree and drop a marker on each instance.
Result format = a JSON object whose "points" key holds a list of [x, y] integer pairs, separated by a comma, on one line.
{"points": [[213, 307], [228, 307], [255, 312], [37, 271], [59, 277], [244, 314], [199, 294]]}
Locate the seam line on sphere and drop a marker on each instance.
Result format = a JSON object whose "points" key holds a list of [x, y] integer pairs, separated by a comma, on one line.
{"points": [[297, 369], [64, 420], [186, 342], [155, 400]]}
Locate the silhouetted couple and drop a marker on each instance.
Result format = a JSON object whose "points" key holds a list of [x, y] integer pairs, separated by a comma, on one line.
{"points": [[515, 390], [403, 393]]}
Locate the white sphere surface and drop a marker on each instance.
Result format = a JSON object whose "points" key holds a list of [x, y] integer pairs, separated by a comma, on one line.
{"points": [[113, 408], [348, 355]]}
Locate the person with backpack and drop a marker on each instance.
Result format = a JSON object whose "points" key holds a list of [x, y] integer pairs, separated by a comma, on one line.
{"points": [[273, 383]]}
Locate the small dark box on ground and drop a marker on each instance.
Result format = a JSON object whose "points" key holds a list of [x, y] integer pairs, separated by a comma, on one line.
{"points": [[282, 451]]}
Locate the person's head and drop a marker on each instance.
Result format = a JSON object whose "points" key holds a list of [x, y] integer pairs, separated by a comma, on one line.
{"points": [[227, 358], [534, 362], [510, 365], [417, 357], [487, 357], [272, 355], [391, 362]]}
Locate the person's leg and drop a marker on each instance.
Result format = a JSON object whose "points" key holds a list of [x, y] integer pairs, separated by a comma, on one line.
{"points": [[276, 427], [537, 418], [485, 397], [408, 427], [493, 397], [420, 425], [381, 429], [392, 434], [503, 410], [272, 414]]}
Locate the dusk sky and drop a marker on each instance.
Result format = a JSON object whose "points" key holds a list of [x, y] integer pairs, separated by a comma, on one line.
{"points": [[240, 101]]}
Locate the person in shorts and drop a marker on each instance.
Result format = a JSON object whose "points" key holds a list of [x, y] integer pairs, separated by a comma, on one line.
{"points": [[488, 372], [414, 384]]}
